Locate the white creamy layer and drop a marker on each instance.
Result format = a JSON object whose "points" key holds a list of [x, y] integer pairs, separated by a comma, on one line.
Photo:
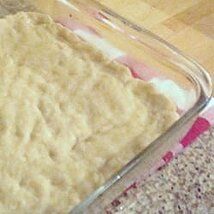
{"points": [[69, 116]]}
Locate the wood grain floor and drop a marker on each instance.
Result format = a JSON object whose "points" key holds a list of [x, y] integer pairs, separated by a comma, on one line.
{"points": [[187, 24]]}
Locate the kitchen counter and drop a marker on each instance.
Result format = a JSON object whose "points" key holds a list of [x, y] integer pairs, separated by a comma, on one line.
{"points": [[183, 186], [186, 184]]}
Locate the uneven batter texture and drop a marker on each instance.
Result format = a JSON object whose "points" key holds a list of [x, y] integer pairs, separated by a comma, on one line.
{"points": [[69, 117]]}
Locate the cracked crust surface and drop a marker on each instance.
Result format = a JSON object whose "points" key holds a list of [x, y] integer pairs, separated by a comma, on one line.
{"points": [[69, 117]]}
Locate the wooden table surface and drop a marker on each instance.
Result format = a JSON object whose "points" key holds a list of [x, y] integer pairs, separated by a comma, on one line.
{"points": [[187, 24]]}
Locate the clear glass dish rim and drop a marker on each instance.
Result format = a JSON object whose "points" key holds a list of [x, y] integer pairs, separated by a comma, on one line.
{"points": [[199, 76]]}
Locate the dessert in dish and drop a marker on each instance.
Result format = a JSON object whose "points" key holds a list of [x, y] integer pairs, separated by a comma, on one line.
{"points": [[69, 116]]}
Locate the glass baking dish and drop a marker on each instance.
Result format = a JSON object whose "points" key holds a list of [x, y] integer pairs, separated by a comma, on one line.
{"points": [[131, 40]]}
